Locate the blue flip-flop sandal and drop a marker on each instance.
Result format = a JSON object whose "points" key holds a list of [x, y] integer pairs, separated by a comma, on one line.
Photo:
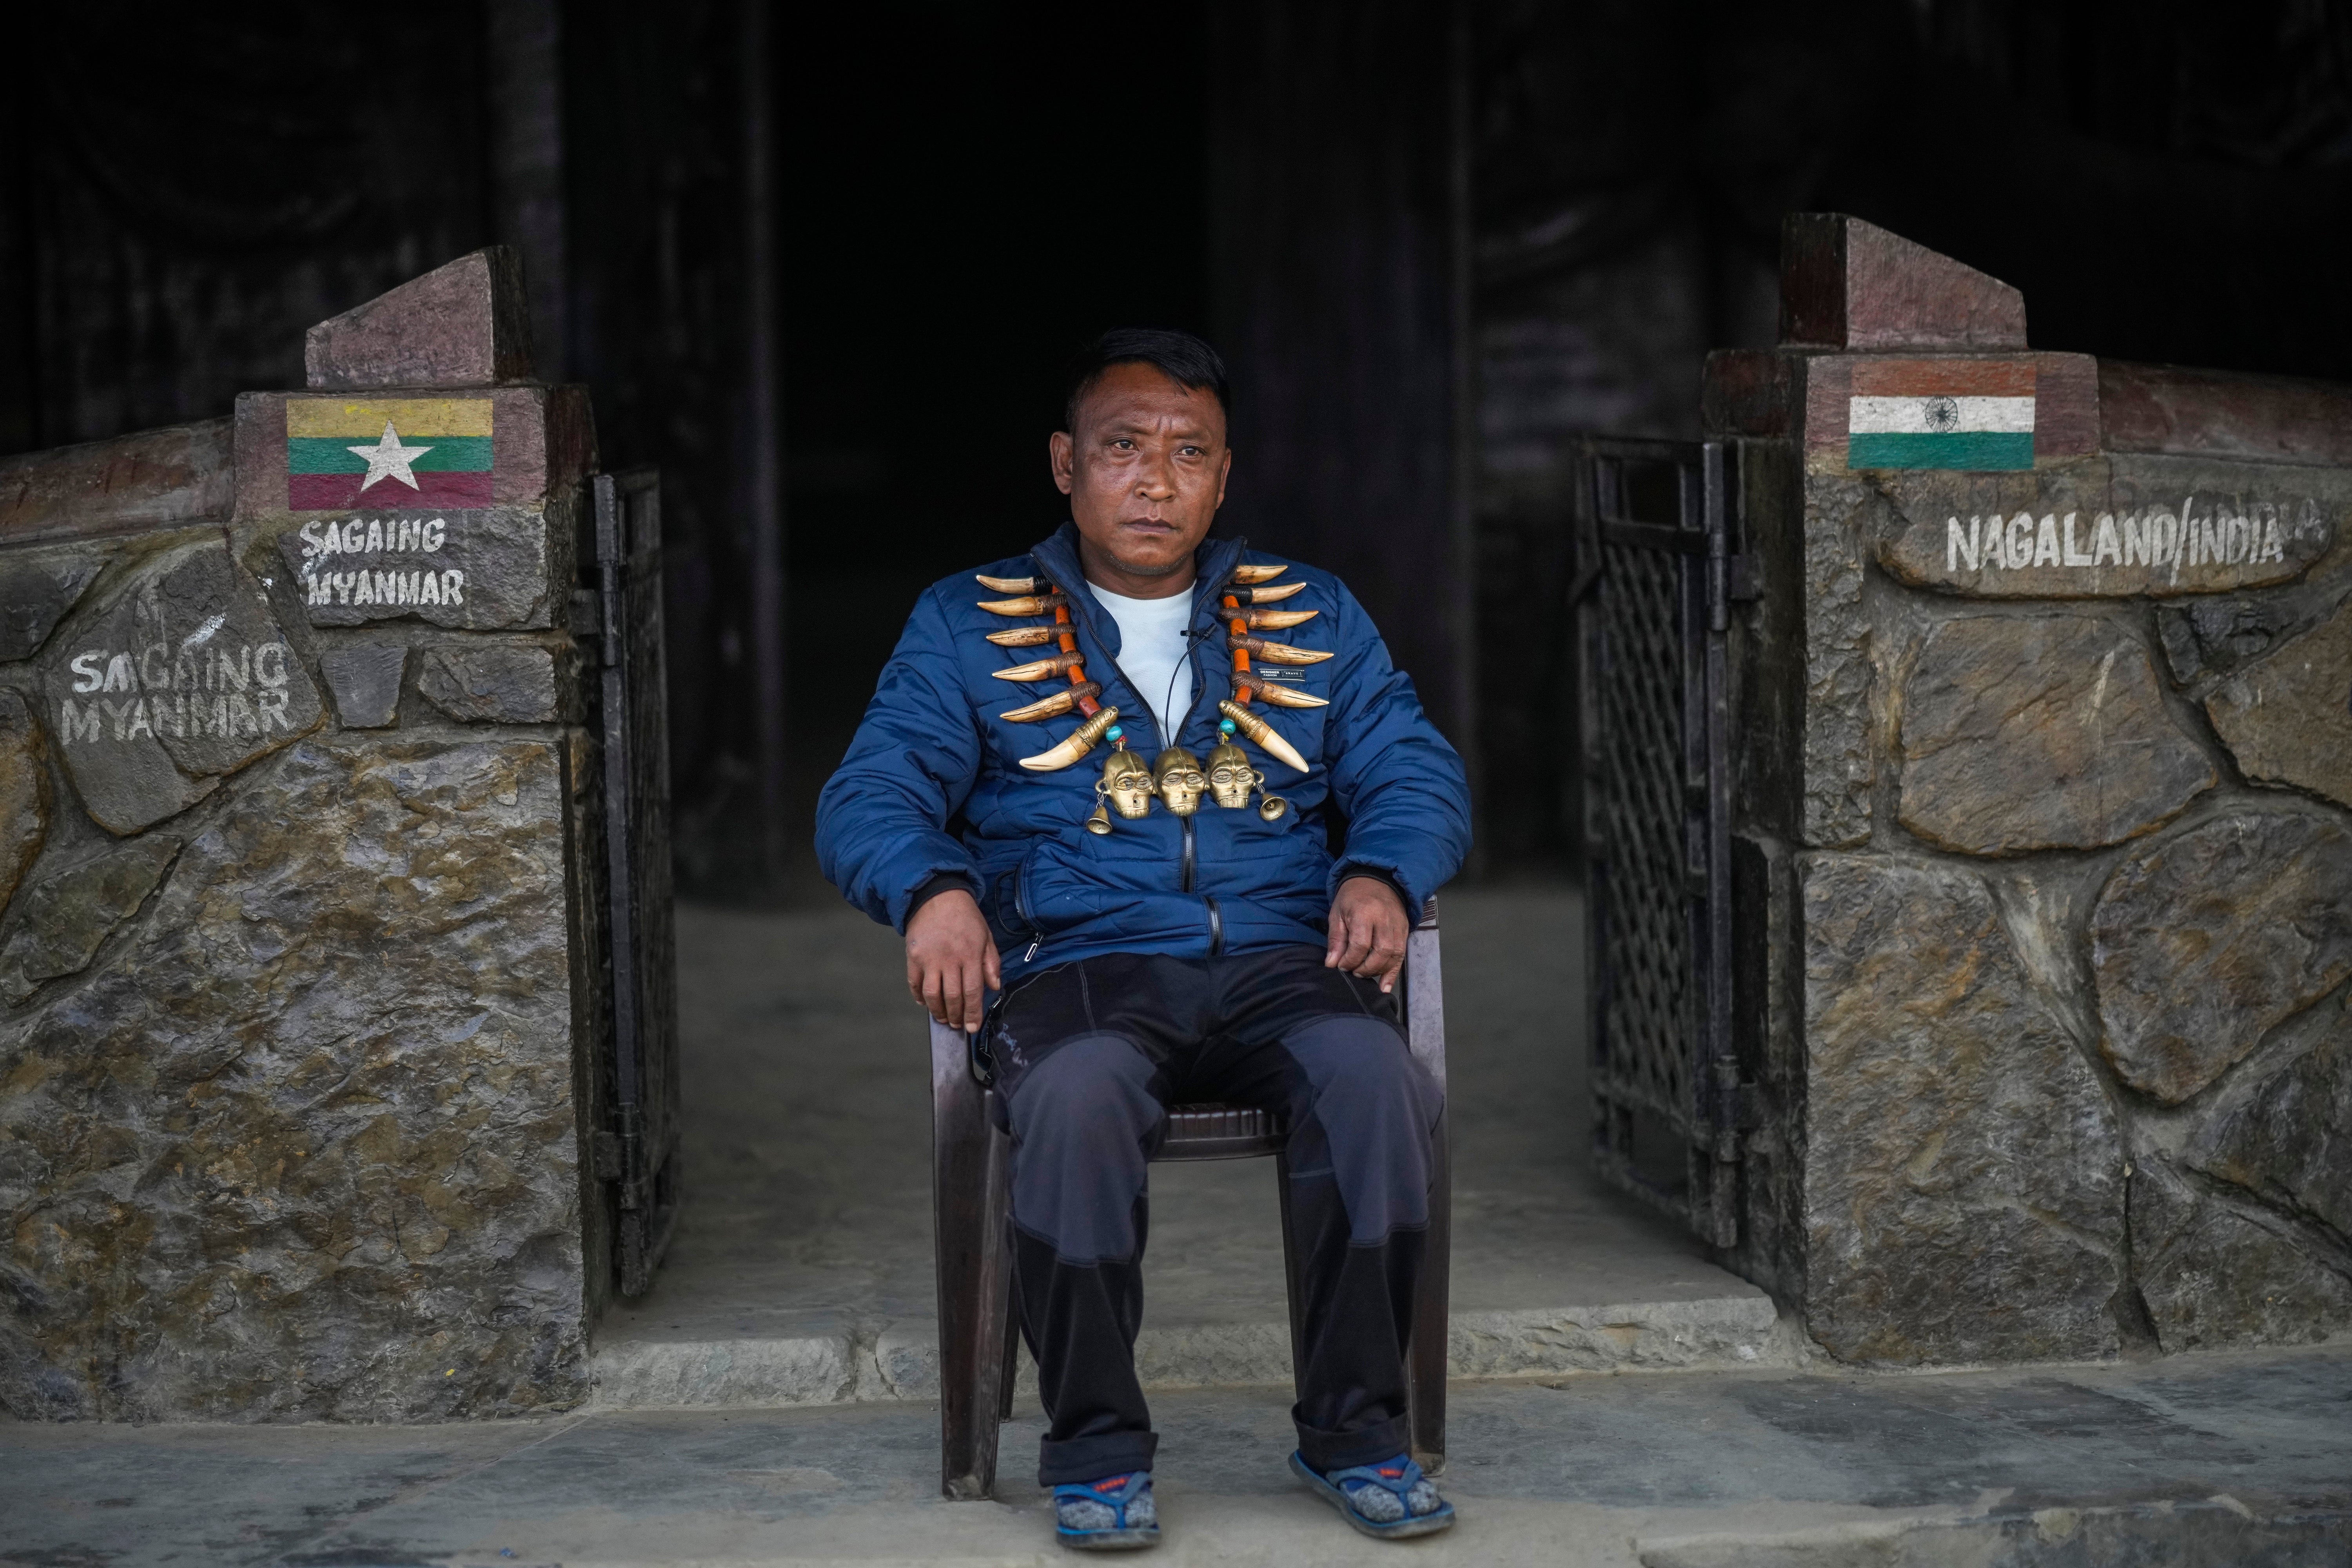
{"points": [[1114, 1514], [1388, 1502]]}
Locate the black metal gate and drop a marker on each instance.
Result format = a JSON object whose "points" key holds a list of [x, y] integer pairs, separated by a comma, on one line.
{"points": [[1654, 581], [633, 719]]}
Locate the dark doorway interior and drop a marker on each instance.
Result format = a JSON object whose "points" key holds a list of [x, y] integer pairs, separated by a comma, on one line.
{"points": [[966, 202]]}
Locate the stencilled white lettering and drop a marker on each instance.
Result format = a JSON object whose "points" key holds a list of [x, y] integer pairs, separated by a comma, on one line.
{"points": [[191, 695], [374, 536], [2198, 538], [79, 726]]}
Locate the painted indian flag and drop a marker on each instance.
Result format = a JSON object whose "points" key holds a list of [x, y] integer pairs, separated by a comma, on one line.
{"points": [[1940, 414], [387, 453]]}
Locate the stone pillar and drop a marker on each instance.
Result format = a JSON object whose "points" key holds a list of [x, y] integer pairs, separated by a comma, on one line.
{"points": [[299, 994], [2045, 816]]}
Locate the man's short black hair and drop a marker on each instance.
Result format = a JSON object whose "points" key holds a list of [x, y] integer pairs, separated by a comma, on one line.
{"points": [[1182, 357]]}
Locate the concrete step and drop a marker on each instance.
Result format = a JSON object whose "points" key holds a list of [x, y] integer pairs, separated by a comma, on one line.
{"points": [[2233, 1458], [900, 1360]]}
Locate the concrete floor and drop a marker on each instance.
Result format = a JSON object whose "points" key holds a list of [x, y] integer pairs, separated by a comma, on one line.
{"points": [[801, 1271], [2213, 1459]]}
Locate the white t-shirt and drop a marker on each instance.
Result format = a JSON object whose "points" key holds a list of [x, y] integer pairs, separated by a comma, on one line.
{"points": [[1151, 651]]}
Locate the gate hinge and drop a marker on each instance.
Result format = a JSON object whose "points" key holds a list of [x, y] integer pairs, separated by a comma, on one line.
{"points": [[1742, 579], [1742, 582], [628, 1152], [1746, 1106], [587, 613]]}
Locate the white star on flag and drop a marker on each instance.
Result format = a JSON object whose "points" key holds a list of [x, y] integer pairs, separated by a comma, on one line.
{"points": [[388, 457]]}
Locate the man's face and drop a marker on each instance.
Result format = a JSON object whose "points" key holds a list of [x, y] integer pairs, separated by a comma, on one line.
{"points": [[1145, 470]]}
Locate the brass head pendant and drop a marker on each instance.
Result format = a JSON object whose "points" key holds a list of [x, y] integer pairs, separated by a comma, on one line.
{"points": [[1127, 787], [1230, 780], [1177, 774], [1231, 777]]}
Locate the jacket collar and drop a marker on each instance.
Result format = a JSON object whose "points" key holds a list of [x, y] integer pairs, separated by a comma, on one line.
{"points": [[1057, 559], [1057, 556]]}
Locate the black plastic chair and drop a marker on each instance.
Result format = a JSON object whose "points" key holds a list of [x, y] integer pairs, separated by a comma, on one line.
{"points": [[979, 1343]]}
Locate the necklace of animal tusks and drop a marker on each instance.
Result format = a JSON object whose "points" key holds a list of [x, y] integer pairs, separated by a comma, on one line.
{"points": [[1081, 692], [1239, 625], [1037, 596]]}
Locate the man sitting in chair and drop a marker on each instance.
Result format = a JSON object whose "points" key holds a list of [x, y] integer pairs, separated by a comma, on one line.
{"points": [[1101, 781]]}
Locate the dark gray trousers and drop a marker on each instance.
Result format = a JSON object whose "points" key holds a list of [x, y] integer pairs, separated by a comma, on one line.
{"points": [[1088, 1057]]}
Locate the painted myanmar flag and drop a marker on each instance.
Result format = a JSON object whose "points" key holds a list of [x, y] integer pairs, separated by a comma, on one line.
{"points": [[1940, 414], [384, 454]]}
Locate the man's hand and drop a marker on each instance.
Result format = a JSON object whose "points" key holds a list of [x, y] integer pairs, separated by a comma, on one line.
{"points": [[1368, 930], [951, 962]]}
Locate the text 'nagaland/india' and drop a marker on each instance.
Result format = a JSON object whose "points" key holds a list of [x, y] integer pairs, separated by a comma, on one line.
{"points": [[209, 691], [2159, 538]]}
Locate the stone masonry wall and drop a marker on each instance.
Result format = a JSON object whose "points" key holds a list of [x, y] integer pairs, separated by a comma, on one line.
{"points": [[2052, 770], [294, 926]]}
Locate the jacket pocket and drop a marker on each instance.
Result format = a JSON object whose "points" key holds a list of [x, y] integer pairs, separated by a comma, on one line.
{"points": [[1071, 878], [1017, 905], [1042, 890], [1003, 907]]}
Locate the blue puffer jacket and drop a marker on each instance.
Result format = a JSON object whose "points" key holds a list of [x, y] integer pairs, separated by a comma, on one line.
{"points": [[933, 784]]}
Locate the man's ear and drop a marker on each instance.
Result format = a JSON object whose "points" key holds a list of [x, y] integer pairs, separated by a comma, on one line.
{"points": [[1225, 473], [1061, 453]]}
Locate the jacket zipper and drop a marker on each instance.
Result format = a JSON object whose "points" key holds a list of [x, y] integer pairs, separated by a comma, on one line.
{"points": [[1189, 858], [1200, 694]]}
